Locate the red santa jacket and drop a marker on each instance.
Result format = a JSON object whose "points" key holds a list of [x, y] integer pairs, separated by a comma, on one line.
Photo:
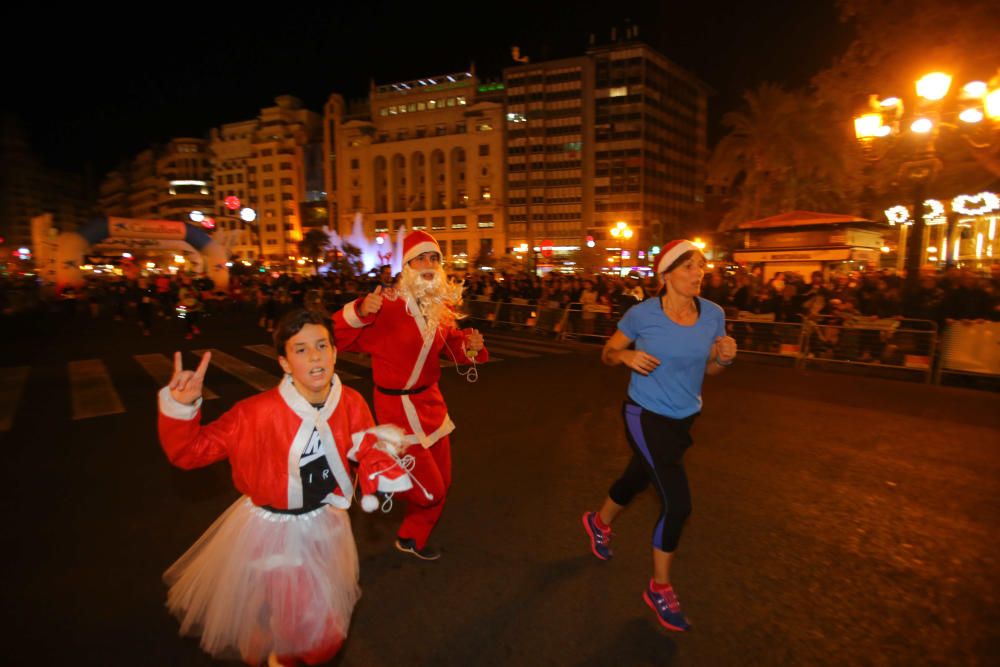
{"points": [[403, 358], [263, 437]]}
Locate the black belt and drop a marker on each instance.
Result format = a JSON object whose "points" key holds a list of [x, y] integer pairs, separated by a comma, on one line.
{"points": [[402, 392]]}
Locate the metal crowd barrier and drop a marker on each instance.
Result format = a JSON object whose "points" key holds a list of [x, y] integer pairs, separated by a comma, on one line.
{"points": [[590, 322], [761, 334], [905, 345], [518, 315]]}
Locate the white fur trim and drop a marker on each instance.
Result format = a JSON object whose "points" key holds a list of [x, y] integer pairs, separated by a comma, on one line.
{"points": [[338, 501], [418, 435], [418, 319], [668, 258], [175, 409], [351, 315], [420, 248], [369, 503], [401, 483]]}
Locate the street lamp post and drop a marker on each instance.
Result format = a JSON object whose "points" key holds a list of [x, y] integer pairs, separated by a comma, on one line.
{"points": [[876, 129], [622, 232]]}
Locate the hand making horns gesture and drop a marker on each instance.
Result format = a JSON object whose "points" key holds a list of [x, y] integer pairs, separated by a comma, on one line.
{"points": [[372, 303], [185, 386]]}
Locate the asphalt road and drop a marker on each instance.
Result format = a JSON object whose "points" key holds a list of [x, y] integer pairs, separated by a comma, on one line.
{"points": [[837, 519]]}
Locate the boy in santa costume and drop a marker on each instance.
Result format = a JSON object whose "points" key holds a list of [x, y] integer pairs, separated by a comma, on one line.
{"points": [[405, 330], [276, 576]]}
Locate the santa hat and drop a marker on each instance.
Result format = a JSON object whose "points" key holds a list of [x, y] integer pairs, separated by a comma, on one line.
{"points": [[417, 242], [670, 253], [380, 469]]}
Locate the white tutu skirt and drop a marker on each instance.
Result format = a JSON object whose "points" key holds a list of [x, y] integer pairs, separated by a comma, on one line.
{"points": [[259, 582]]}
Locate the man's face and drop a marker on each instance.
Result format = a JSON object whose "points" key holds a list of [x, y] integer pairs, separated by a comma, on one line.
{"points": [[426, 264]]}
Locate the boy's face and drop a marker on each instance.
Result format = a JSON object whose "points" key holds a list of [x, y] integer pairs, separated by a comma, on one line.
{"points": [[309, 358]]}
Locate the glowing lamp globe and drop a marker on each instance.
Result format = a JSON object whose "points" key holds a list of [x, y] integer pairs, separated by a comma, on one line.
{"points": [[934, 86], [232, 203]]}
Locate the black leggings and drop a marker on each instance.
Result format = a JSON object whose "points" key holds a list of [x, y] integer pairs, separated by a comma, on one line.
{"points": [[658, 445]]}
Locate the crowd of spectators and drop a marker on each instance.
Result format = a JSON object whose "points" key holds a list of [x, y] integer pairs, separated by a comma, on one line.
{"points": [[599, 299]]}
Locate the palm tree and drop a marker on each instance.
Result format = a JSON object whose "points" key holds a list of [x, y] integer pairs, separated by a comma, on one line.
{"points": [[780, 154], [314, 245]]}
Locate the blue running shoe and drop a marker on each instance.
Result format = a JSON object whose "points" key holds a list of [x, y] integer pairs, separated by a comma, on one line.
{"points": [[600, 540], [667, 608]]}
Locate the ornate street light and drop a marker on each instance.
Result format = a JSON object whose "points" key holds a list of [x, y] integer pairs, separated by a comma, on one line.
{"points": [[885, 120]]}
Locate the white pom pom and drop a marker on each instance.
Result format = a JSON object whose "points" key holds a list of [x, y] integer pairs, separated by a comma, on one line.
{"points": [[369, 503]]}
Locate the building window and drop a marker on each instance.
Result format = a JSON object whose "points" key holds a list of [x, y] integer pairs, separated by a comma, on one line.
{"points": [[286, 181], [444, 248], [355, 201], [419, 223], [272, 242], [485, 221], [268, 182], [458, 222], [286, 165], [460, 127], [438, 224], [484, 150], [286, 196], [484, 193], [440, 130], [270, 228], [459, 248], [267, 152], [483, 127], [267, 167], [354, 163]]}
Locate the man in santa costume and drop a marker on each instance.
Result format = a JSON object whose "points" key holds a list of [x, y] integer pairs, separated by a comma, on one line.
{"points": [[406, 330]]}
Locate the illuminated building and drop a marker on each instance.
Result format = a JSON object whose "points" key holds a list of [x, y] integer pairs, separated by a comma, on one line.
{"points": [[263, 162], [161, 183], [618, 134], [424, 154]]}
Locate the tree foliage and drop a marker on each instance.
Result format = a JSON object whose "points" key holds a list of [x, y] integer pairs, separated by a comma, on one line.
{"points": [[896, 42], [314, 245], [796, 149], [778, 155]]}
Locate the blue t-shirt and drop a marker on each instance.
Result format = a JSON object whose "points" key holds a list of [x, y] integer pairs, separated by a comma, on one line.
{"points": [[674, 388]]}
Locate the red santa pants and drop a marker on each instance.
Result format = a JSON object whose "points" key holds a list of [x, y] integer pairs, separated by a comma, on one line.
{"points": [[432, 468]]}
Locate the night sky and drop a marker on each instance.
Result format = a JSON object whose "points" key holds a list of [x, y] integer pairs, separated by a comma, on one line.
{"points": [[91, 89]]}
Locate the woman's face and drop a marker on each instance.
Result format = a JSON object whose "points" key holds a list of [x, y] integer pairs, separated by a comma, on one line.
{"points": [[685, 280]]}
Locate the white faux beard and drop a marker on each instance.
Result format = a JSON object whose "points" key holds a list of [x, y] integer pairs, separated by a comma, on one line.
{"points": [[437, 298]]}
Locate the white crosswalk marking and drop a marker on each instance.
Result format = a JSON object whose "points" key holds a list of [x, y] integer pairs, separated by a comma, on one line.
{"points": [[255, 377], [11, 385], [161, 369], [269, 352], [93, 394]]}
